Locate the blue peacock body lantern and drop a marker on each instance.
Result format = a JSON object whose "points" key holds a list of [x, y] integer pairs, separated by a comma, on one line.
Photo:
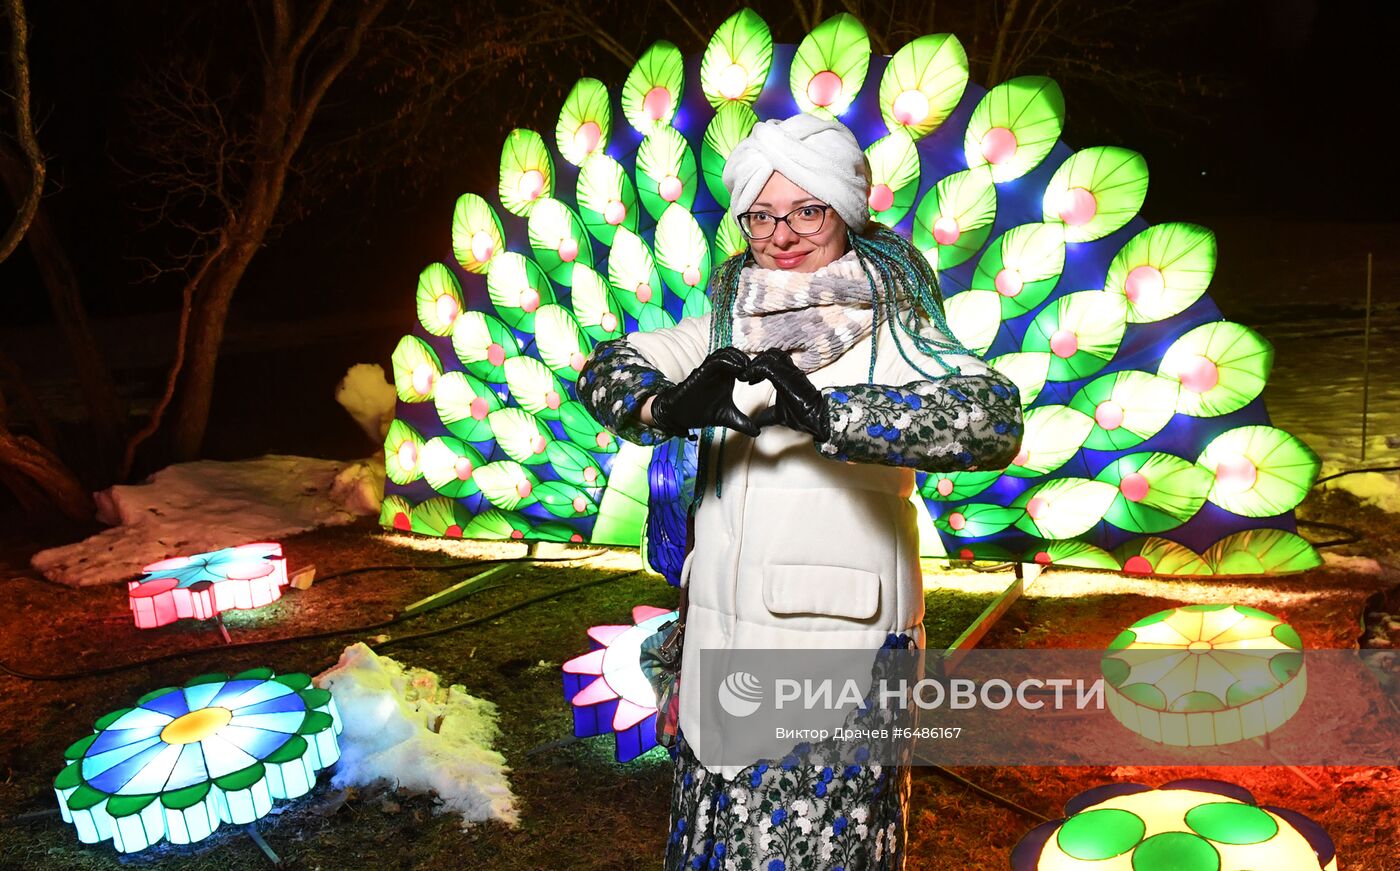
{"points": [[1147, 449]]}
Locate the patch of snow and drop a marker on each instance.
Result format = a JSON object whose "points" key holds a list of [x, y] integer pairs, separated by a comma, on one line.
{"points": [[368, 395], [207, 505], [404, 727], [359, 487], [1358, 565], [1317, 391], [1381, 489]]}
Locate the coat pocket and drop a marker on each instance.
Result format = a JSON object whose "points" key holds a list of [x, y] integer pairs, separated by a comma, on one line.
{"points": [[832, 591]]}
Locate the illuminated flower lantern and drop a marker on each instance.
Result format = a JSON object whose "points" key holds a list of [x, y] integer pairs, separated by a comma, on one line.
{"points": [[1147, 446], [185, 759], [207, 584], [1202, 675], [606, 686], [1185, 825]]}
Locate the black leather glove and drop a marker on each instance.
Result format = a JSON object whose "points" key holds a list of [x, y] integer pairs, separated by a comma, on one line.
{"points": [[799, 404], [705, 397]]}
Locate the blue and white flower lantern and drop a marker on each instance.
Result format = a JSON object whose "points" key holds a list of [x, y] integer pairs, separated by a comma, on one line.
{"points": [[186, 759]]}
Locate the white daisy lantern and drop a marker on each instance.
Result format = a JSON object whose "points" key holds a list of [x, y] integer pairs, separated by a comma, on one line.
{"points": [[1202, 675]]}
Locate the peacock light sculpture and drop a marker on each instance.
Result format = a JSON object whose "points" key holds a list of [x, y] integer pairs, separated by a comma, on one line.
{"points": [[1147, 447]]}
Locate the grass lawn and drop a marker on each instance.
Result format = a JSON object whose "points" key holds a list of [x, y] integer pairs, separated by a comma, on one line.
{"points": [[579, 808]]}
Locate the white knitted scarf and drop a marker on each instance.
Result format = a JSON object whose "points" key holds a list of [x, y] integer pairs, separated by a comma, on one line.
{"points": [[815, 315]]}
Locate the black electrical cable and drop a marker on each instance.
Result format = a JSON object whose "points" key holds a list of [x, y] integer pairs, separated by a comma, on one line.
{"points": [[315, 636], [1356, 472], [443, 630], [1352, 535], [460, 564], [430, 567], [30, 817], [982, 790]]}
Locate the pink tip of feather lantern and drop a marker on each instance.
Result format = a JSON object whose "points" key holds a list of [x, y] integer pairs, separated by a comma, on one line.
{"points": [[1077, 206], [824, 88], [1109, 414], [657, 103], [946, 230], [881, 197], [1064, 343], [531, 185], [587, 136], [1134, 487], [733, 82], [998, 146], [910, 107]]}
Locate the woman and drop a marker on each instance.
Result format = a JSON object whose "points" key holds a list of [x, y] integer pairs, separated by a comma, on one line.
{"points": [[824, 376]]}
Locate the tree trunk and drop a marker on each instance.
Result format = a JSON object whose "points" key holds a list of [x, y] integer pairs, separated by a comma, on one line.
{"points": [[105, 409], [288, 106], [30, 470], [25, 462], [206, 335]]}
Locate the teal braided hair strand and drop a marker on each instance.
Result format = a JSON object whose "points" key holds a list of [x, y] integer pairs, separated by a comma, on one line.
{"points": [[724, 288], [903, 288]]}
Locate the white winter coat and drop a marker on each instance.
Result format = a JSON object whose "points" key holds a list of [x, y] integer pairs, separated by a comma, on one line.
{"points": [[799, 551]]}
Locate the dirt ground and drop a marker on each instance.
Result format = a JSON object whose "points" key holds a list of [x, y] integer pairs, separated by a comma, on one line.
{"points": [[580, 809]]}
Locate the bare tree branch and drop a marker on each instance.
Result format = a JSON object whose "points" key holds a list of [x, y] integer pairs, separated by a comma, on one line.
{"points": [[703, 38], [172, 377], [24, 129], [878, 38], [303, 114], [994, 76], [586, 24], [318, 15], [26, 465]]}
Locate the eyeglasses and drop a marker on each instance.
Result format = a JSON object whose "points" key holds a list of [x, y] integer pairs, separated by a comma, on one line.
{"points": [[803, 220]]}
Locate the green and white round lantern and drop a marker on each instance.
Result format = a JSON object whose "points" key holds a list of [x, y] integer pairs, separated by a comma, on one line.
{"points": [[1201, 675], [1185, 825], [183, 760]]}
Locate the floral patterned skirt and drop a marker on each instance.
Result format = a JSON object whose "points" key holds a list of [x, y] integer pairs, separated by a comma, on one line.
{"points": [[800, 813], [788, 817]]}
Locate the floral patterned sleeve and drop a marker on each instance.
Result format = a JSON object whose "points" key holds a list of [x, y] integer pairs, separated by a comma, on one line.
{"points": [[614, 383], [958, 423]]}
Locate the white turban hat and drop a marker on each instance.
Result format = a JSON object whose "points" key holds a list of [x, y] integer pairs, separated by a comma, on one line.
{"points": [[821, 157]]}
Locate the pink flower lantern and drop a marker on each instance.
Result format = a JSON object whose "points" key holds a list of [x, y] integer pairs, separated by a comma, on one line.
{"points": [[207, 584]]}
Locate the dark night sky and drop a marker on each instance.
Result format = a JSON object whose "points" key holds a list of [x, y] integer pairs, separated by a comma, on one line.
{"points": [[1299, 135]]}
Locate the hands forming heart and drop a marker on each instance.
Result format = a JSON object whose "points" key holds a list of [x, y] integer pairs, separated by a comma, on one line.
{"points": [[705, 398]]}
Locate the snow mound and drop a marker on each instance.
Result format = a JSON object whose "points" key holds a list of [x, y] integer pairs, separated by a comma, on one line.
{"points": [[359, 487], [1360, 565], [198, 507], [369, 397], [404, 727], [1381, 489]]}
